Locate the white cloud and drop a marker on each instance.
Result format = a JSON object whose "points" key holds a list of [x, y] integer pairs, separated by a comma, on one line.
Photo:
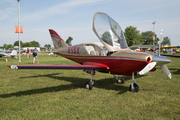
{"points": [[56, 9], [6, 12]]}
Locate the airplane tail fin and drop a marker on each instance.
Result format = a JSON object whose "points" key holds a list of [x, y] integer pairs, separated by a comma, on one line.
{"points": [[57, 40], [13, 54]]}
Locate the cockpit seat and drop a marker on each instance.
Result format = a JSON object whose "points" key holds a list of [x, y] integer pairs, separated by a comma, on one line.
{"points": [[94, 53], [103, 53]]}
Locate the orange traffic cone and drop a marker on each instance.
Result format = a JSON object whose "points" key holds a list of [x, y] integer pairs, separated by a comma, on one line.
{"points": [[6, 60]]}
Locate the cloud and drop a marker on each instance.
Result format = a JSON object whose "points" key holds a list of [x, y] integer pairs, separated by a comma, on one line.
{"points": [[6, 12], [56, 9]]}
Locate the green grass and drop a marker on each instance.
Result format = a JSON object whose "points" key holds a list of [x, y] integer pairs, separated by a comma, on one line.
{"points": [[60, 94]]}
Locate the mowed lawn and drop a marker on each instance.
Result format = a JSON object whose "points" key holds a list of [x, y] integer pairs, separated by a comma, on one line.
{"points": [[61, 94]]}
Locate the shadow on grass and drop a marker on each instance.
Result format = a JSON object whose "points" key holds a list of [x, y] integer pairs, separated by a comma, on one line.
{"points": [[108, 84], [175, 71]]}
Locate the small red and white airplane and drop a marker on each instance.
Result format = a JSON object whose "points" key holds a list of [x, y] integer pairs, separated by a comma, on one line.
{"points": [[117, 60]]}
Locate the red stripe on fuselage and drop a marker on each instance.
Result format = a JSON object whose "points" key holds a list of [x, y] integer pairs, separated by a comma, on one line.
{"points": [[121, 65]]}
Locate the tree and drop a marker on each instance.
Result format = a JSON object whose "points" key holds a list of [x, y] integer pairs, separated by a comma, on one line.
{"points": [[5, 46], [16, 43], [34, 44], [148, 38], [68, 41], [27, 44], [47, 46], [106, 37], [166, 41], [132, 36], [9, 46]]}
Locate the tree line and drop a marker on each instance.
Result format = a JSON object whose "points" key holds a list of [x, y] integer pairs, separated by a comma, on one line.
{"points": [[26, 44], [33, 44]]}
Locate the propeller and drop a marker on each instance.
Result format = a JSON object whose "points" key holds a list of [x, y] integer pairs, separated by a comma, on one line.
{"points": [[165, 69], [147, 68], [161, 61], [158, 61]]}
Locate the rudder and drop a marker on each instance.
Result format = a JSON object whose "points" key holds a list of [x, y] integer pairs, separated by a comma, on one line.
{"points": [[57, 40], [13, 54]]}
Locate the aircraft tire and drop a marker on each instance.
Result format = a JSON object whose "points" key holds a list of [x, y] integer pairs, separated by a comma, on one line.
{"points": [[120, 80], [136, 88], [88, 85]]}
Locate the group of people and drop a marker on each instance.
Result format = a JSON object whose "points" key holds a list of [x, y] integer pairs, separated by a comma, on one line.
{"points": [[34, 54], [171, 50]]}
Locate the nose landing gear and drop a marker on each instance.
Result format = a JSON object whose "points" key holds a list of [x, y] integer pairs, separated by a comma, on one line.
{"points": [[133, 87]]}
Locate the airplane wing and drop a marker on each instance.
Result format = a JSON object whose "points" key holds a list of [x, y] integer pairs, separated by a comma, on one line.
{"points": [[12, 55], [169, 47], [4, 54], [1, 55], [95, 67]]}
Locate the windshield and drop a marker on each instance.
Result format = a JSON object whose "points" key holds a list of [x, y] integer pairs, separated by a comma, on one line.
{"points": [[109, 31]]}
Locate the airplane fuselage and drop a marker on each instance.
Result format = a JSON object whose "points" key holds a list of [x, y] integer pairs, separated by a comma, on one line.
{"points": [[120, 62]]}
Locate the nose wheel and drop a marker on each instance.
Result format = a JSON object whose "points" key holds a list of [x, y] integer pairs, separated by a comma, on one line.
{"points": [[133, 87]]}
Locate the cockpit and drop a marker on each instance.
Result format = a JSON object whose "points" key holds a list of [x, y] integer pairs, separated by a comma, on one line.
{"points": [[109, 32]]}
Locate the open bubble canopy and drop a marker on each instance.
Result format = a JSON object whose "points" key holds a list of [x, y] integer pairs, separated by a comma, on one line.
{"points": [[109, 31]]}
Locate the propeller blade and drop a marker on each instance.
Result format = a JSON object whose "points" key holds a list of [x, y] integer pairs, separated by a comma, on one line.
{"points": [[165, 69], [147, 68]]}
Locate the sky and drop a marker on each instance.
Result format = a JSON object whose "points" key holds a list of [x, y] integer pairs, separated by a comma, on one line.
{"points": [[74, 18]]}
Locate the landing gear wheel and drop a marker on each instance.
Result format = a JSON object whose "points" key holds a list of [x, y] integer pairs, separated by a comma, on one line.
{"points": [[135, 87], [89, 85], [120, 80]]}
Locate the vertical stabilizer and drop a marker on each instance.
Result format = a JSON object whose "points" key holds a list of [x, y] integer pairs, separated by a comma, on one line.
{"points": [[13, 54], [57, 40]]}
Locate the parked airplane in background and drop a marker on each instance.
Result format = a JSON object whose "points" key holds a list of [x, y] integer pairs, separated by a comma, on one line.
{"points": [[164, 47], [119, 60], [12, 55]]}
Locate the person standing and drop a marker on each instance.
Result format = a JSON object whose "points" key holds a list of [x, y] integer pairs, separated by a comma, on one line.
{"points": [[35, 55], [27, 53]]}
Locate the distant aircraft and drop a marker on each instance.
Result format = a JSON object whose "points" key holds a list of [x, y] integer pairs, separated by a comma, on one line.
{"points": [[12, 55], [164, 47], [119, 60]]}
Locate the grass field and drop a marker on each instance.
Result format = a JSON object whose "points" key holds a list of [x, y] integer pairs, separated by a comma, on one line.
{"points": [[60, 94]]}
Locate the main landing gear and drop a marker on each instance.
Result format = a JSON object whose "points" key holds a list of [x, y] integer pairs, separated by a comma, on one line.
{"points": [[89, 84], [120, 80], [133, 87]]}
